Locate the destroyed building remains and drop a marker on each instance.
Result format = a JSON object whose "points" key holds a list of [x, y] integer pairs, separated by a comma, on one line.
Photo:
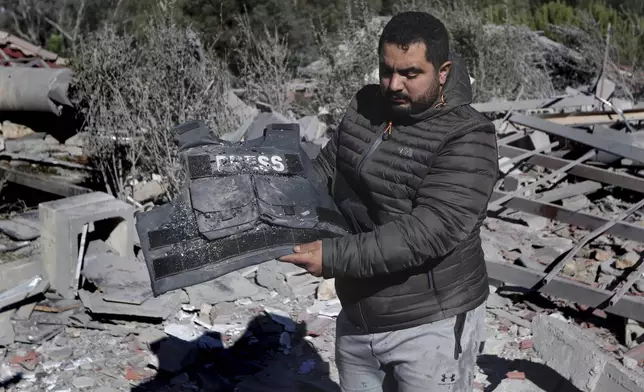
{"points": [[563, 242]]}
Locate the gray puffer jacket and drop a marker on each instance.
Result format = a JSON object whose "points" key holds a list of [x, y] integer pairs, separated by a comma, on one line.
{"points": [[416, 197]]}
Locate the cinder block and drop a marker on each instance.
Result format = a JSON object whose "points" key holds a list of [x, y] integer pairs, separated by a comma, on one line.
{"points": [[62, 223], [573, 354]]}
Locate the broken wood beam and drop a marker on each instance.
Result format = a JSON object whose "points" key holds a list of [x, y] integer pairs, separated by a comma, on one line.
{"points": [[587, 221], [595, 118], [558, 264], [611, 146], [631, 307], [497, 204], [580, 188], [54, 186], [554, 103], [585, 171]]}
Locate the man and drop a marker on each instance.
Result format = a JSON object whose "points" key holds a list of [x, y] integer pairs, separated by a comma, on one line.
{"points": [[412, 167]]}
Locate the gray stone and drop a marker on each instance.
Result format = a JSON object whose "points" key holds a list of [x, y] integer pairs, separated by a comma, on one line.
{"points": [[576, 203], [304, 285], [151, 335], [496, 301], [269, 277], [146, 191], [326, 290], [630, 363], [60, 354], [7, 333], [534, 222], [509, 385], [62, 222], [111, 272], [78, 140], [106, 389], [19, 231], [157, 308], [187, 332], [83, 382], [494, 346], [227, 288]]}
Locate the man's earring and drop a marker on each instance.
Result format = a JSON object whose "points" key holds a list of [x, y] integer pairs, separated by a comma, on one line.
{"points": [[441, 103]]}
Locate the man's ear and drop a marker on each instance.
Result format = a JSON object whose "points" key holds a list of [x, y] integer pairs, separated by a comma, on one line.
{"points": [[443, 72]]}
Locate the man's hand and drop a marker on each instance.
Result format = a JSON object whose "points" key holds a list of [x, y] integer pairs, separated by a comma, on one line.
{"points": [[307, 256]]}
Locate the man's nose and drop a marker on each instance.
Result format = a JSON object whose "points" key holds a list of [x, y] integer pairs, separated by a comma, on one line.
{"points": [[396, 83]]}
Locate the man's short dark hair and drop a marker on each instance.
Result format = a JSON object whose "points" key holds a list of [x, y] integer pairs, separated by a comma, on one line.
{"points": [[411, 27]]}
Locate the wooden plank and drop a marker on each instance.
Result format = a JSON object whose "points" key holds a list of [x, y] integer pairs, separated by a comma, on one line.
{"points": [[591, 119], [496, 204], [580, 219], [585, 171], [564, 192], [631, 307], [609, 145], [54, 186]]}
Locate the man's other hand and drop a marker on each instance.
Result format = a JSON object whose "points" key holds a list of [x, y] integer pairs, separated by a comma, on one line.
{"points": [[307, 256]]}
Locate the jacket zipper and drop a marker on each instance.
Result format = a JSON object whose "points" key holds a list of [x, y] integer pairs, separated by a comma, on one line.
{"points": [[383, 136]]}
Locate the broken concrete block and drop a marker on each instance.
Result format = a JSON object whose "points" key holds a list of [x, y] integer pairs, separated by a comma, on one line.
{"points": [[227, 288], [515, 385], [568, 350], [326, 290], [540, 140], [62, 223], [15, 131], [576, 203], [19, 271], [155, 308], [146, 191], [19, 231], [580, 188], [7, 333], [119, 279], [634, 334], [270, 278], [78, 140]]}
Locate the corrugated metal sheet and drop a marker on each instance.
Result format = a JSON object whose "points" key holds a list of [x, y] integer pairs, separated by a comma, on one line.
{"points": [[16, 52]]}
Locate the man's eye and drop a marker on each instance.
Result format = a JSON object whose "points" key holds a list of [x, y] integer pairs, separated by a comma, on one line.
{"points": [[411, 75]]}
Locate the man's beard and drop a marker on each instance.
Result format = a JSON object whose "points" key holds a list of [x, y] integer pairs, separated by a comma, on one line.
{"points": [[410, 107]]}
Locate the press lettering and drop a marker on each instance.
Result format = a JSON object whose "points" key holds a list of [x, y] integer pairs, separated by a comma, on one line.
{"points": [[264, 162], [277, 163], [220, 160]]}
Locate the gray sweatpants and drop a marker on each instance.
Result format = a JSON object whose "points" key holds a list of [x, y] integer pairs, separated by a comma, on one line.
{"points": [[424, 358]]}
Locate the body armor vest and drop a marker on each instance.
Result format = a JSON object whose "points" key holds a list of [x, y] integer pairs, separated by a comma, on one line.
{"points": [[244, 203]]}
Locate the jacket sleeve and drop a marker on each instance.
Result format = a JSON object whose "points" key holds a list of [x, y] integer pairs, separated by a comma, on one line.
{"points": [[324, 163], [452, 196]]}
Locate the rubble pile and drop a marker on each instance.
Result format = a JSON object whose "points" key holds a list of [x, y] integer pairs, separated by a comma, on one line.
{"points": [[563, 244]]}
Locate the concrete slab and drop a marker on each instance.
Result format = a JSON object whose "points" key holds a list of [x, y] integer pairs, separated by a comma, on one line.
{"points": [[509, 385], [571, 352], [62, 222], [15, 272]]}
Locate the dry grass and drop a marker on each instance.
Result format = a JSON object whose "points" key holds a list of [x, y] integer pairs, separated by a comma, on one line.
{"points": [[135, 90]]}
